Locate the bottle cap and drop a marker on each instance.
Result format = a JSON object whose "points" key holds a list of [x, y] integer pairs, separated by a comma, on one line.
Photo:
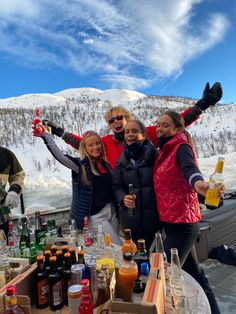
{"points": [[144, 269], [11, 290], [128, 256], [107, 239]]}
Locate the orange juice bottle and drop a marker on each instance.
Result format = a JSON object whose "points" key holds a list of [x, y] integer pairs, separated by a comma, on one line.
{"points": [[128, 244], [128, 270], [216, 178]]}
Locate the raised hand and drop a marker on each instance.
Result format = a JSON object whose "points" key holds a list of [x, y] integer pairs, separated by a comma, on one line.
{"points": [[55, 129], [210, 96]]}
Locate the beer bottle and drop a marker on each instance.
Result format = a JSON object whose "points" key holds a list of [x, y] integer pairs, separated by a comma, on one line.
{"points": [[72, 255], [216, 178], [41, 281], [38, 227], [67, 276], [53, 249], [55, 280], [103, 293], [64, 249], [33, 254], [80, 255], [47, 255], [131, 211], [25, 234], [59, 262]]}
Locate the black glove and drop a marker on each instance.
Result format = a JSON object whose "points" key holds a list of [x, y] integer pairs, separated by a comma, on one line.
{"points": [[55, 129], [210, 96]]}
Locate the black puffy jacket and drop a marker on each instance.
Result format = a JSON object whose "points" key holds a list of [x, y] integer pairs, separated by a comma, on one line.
{"points": [[140, 175]]}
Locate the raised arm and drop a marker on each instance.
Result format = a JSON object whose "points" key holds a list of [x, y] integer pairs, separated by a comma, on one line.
{"points": [[70, 138]]}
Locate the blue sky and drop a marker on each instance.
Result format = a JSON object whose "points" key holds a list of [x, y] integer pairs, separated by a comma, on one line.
{"points": [[156, 47]]}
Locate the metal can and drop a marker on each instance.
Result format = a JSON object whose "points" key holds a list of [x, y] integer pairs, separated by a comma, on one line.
{"points": [[91, 273], [74, 298], [77, 273]]}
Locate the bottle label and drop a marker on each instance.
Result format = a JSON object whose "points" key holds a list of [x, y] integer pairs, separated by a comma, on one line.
{"points": [[57, 291], [43, 292]]}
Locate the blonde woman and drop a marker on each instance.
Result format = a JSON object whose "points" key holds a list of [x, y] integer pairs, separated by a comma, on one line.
{"points": [[91, 183]]}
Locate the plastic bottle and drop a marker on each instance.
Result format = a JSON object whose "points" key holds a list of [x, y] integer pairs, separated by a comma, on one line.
{"points": [[128, 271], [128, 244], [11, 302], [37, 121], [41, 282], [216, 178], [86, 306]]}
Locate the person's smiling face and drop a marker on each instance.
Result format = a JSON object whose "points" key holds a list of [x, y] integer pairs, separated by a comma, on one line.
{"points": [[117, 122], [165, 126], [93, 146], [133, 133]]}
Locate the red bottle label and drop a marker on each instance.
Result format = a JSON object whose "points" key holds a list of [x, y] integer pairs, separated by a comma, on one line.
{"points": [[43, 292]]}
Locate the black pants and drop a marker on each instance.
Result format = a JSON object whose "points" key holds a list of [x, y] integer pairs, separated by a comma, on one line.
{"points": [[148, 237], [4, 227], [183, 237]]}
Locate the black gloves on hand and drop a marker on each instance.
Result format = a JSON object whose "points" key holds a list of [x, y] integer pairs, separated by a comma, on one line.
{"points": [[55, 129], [210, 96]]}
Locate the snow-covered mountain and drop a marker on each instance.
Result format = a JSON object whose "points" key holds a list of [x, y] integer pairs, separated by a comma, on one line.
{"points": [[80, 109]]}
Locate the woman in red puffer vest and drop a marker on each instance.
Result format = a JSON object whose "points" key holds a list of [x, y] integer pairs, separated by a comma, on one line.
{"points": [[177, 180]]}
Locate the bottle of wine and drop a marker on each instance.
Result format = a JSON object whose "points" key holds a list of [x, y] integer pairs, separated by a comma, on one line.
{"points": [[212, 195]]}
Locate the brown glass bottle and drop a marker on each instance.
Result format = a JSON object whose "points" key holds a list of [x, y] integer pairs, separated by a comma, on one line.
{"points": [[67, 276], [53, 249], [80, 255], [55, 280], [11, 302], [72, 256], [65, 249], [103, 292], [60, 266], [41, 282], [47, 255]]}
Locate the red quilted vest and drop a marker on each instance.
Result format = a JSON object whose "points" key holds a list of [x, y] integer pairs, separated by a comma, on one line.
{"points": [[177, 201]]}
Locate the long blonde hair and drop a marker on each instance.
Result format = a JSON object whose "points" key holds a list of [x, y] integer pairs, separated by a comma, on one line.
{"points": [[83, 154]]}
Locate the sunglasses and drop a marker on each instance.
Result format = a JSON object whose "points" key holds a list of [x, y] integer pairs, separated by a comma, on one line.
{"points": [[118, 118]]}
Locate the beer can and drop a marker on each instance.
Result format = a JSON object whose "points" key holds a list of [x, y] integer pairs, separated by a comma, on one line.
{"points": [[74, 298], [77, 273], [91, 274]]}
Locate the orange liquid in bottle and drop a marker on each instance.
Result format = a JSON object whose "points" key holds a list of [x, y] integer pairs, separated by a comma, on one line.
{"points": [[127, 275]]}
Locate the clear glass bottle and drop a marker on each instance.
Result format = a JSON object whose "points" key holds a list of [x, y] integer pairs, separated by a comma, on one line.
{"points": [[128, 244], [11, 236], [11, 302], [137, 292], [25, 234], [128, 271], [107, 257], [176, 277], [212, 195], [87, 234], [159, 248]]}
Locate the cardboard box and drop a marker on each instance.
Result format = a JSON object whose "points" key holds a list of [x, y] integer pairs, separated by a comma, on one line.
{"points": [[154, 297], [24, 285]]}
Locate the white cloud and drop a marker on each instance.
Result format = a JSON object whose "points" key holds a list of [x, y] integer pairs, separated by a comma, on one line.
{"points": [[126, 41]]}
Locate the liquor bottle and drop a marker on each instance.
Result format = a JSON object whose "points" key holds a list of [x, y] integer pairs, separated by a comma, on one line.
{"points": [[59, 262], [128, 271], [72, 255], [53, 249], [41, 282], [103, 294], [11, 302], [80, 255], [25, 234], [38, 227], [86, 306], [131, 211], [87, 235], [144, 274], [216, 178], [176, 278], [55, 280], [37, 121], [67, 276], [73, 229], [137, 292], [141, 255], [128, 244], [107, 257]]}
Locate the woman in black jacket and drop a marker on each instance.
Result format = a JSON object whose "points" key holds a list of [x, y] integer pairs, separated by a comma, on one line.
{"points": [[135, 166]]}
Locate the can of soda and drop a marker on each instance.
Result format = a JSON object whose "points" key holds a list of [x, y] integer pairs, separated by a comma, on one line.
{"points": [[77, 273], [91, 274], [74, 298]]}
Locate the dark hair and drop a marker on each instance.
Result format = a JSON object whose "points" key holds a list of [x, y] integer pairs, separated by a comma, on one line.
{"points": [[177, 119], [141, 125]]}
